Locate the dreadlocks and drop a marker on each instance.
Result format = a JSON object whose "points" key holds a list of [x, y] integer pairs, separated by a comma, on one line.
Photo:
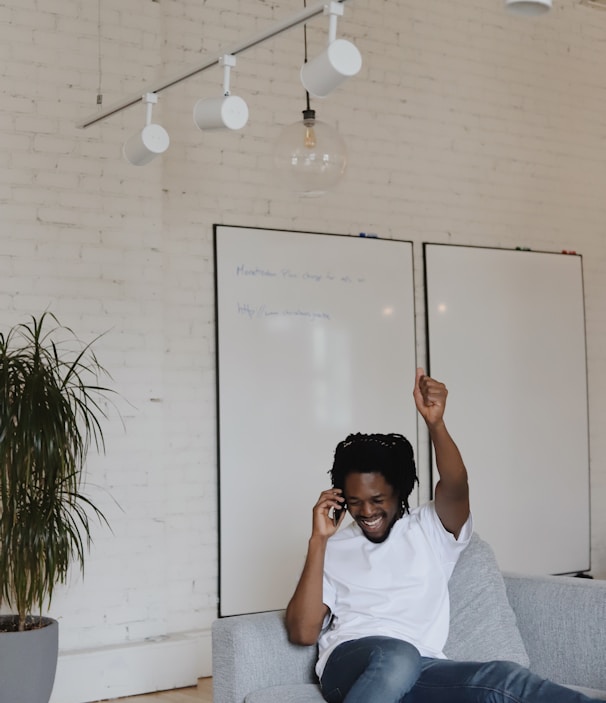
{"points": [[391, 455]]}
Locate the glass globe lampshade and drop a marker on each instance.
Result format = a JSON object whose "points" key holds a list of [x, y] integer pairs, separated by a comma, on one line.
{"points": [[529, 8], [310, 156]]}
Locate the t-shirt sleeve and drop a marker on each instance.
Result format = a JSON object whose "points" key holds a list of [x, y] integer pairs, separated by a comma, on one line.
{"points": [[446, 545], [328, 593], [328, 597]]}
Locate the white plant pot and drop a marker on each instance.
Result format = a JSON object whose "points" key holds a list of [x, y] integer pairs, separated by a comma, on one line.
{"points": [[28, 662]]}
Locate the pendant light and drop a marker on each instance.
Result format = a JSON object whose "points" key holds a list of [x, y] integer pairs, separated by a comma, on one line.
{"points": [[528, 8], [310, 156]]}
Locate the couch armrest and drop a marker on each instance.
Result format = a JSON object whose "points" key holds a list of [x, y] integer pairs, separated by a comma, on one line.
{"points": [[252, 652], [561, 619]]}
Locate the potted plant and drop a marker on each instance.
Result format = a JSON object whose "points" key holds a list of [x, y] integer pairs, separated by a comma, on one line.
{"points": [[51, 405]]}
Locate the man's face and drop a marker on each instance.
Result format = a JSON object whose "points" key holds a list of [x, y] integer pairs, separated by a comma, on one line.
{"points": [[372, 503]]}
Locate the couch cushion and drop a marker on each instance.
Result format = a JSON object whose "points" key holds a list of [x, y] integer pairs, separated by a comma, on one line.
{"points": [[310, 693], [298, 693], [482, 623]]}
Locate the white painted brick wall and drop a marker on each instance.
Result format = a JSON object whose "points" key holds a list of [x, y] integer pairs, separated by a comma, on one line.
{"points": [[465, 125]]}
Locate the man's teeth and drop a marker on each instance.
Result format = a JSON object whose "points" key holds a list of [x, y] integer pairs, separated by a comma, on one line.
{"points": [[372, 523]]}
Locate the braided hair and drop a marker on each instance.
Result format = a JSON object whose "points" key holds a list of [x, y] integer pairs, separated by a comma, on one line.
{"points": [[391, 455]]}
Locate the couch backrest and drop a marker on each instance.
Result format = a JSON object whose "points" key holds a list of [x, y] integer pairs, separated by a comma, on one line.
{"points": [[483, 624]]}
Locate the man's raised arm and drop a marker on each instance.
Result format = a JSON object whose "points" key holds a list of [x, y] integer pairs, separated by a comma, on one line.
{"points": [[452, 490]]}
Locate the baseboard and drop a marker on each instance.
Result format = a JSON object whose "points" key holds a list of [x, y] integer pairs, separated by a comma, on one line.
{"points": [[163, 663]]}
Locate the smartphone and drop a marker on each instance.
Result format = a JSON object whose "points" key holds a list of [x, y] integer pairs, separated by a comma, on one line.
{"points": [[336, 516]]}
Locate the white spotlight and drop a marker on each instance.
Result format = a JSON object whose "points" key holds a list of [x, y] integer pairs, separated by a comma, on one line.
{"points": [[529, 8], [229, 111], [152, 140], [326, 72], [339, 61]]}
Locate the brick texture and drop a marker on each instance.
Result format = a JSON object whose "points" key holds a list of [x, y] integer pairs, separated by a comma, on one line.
{"points": [[465, 125]]}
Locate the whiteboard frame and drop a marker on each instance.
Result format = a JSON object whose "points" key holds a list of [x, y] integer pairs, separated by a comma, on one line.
{"points": [[282, 544], [524, 407]]}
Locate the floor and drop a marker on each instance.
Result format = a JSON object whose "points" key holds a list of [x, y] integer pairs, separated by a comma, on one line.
{"points": [[202, 692]]}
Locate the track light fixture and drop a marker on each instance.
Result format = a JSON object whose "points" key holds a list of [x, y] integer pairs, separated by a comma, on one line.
{"points": [[152, 140], [529, 8], [340, 60], [521, 7], [229, 111]]}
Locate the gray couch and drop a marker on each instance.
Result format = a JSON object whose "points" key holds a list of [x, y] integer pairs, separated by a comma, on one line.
{"points": [[556, 625]]}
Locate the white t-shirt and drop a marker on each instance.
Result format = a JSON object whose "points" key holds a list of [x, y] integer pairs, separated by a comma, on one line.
{"points": [[397, 588]]}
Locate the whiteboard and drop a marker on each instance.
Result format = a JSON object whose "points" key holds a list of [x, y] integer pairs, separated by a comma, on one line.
{"points": [[506, 331], [315, 340]]}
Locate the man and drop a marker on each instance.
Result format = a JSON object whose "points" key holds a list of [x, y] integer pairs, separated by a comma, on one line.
{"points": [[374, 595]]}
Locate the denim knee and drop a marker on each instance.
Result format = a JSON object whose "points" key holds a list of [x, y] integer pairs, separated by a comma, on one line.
{"points": [[400, 663], [384, 667], [507, 672], [394, 652]]}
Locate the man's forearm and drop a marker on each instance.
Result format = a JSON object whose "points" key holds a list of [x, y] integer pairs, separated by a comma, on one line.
{"points": [[452, 490], [449, 461], [306, 610]]}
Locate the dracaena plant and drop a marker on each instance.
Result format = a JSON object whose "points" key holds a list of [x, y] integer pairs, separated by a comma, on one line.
{"points": [[51, 407]]}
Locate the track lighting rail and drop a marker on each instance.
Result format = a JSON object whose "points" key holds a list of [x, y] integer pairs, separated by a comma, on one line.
{"points": [[214, 60]]}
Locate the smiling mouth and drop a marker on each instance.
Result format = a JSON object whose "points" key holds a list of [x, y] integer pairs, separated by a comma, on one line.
{"points": [[375, 529], [370, 525]]}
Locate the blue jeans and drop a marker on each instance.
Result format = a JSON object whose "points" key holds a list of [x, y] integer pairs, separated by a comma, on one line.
{"points": [[387, 670]]}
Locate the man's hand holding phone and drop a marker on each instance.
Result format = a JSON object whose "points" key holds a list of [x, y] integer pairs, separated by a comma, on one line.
{"points": [[338, 514], [328, 512]]}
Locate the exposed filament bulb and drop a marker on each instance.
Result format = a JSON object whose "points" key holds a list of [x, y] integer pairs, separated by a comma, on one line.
{"points": [[309, 120]]}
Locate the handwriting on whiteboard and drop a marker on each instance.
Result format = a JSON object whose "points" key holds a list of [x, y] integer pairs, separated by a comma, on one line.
{"points": [[287, 274], [263, 312]]}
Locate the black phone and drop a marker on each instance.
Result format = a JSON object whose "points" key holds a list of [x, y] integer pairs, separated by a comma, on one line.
{"points": [[336, 516]]}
